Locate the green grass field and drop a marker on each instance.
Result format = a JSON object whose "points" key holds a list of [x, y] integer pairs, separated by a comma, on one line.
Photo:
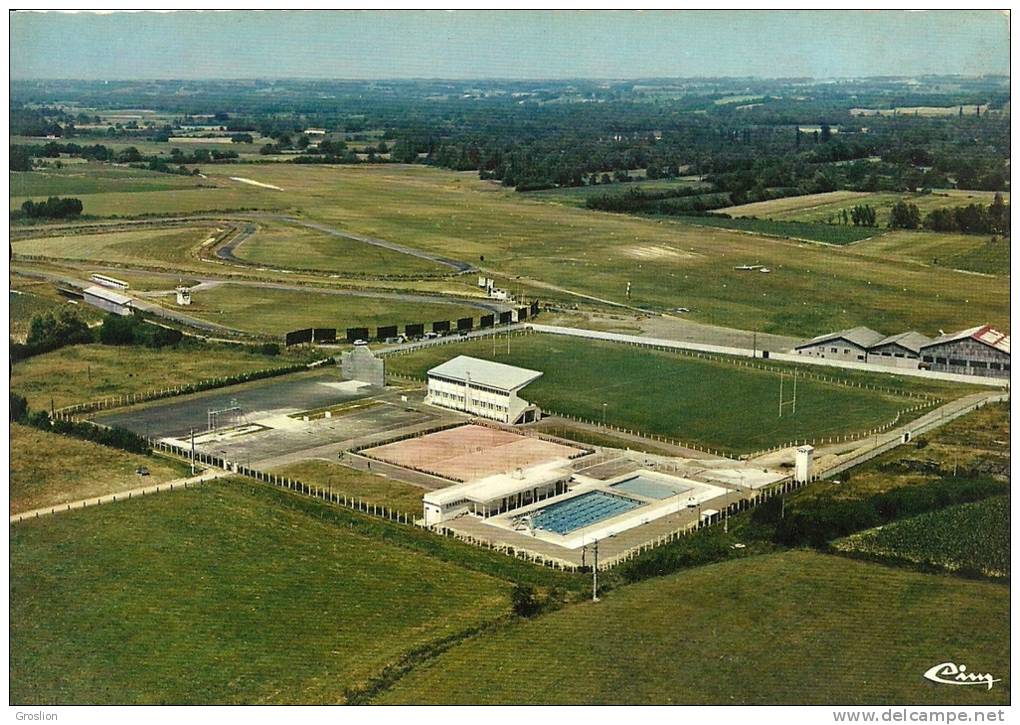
{"points": [[971, 252], [47, 469], [969, 538], [668, 263], [372, 489], [94, 178], [823, 207], [175, 247], [81, 373], [825, 233], [276, 311], [790, 628], [286, 245], [220, 595], [713, 403]]}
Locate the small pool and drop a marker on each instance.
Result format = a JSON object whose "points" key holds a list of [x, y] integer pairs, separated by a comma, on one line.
{"points": [[651, 487], [584, 510]]}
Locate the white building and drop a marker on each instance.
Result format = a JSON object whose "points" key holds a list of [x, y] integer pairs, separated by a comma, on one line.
{"points": [[902, 350], [107, 299], [483, 388], [497, 494], [850, 345]]}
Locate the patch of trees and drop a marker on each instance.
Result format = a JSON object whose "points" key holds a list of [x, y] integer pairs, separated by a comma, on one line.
{"points": [[113, 437], [971, 219], [53, 208], [863, 215], [682, 200], [904, 215], [52, 331], [131, 330]]}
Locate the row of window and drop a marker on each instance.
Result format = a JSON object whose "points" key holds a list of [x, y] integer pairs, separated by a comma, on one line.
{"points": [[966, 363], [459, 399]]}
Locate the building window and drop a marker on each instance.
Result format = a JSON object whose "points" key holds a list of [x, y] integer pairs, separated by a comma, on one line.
{"points": [[832, 349], [860, 357], [928, 358]]}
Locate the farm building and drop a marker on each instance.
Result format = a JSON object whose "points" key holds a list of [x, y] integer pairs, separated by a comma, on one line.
{"points": [[852, 344], [107, 299], [483, 388], [902, 350], [978, 351]]}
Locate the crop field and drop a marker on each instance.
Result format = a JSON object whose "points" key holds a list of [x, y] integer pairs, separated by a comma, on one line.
{"points": [[94, 178], [969, 538], [47, 469], [558, 249], [176, 246], [825, 233], [825, 207], [851, 632], [274, 311], [970, 252], [373, 489], [196, 597], [713, 403], [294, 247], [81, 373]]}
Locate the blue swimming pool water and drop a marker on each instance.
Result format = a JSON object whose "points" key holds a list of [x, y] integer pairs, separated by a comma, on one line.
{"points": [[651, 487], [584, 510]]}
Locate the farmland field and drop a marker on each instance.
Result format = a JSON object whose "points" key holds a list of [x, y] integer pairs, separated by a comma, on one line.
{"points": [[81, 373], [273, 311], [175, 246], [557, 249], [94, 178], [713, 403], [290, 246], [47, 469], [196, 597], [826, 233], [823, 207], [849, 632], [968, 538], [971, 252], [373, 489]]}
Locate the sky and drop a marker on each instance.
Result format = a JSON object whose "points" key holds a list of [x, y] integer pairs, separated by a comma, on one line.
{"points": [[505, 44]]}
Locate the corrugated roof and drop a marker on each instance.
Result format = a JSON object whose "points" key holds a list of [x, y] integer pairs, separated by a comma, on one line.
{"points": [[861, 336], [485, 372], [911, 340], [107, 294], [985, 334]]}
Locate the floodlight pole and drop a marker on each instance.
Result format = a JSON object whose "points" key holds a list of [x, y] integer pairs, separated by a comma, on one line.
{"points": [[780, 395], [192, 451]]}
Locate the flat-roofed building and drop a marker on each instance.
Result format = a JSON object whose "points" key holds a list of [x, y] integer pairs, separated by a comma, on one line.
{"points": [[852, 344], [483, 388], [107, 299], [978, 351], [902, 350]]}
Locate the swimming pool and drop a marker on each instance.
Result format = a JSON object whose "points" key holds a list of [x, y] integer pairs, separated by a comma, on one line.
{"points": [[651, 487], [584, 510]]}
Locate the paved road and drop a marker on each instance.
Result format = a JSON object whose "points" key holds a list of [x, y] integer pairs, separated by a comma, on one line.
{"points": [[178, 484]]}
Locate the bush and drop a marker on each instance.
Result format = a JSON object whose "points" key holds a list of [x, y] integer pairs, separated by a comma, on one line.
{"points": [[704, 547], [19, 407], [53, 208], [524, 600], [49, 331], [113, 437], [130, 330]]}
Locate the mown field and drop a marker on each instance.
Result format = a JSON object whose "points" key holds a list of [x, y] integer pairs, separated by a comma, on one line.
{"points": [[555, 247], [826, 207], [789, 628], [174, 247], [825, 233], [220, 595], [294, 247], [272, 311], [970, 252], [971, 538], [373, 489], [712, 403], [48, 469], [81, 373]]}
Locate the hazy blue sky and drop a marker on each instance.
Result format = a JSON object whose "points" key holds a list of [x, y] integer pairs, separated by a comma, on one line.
{"points": [[479, 44]]}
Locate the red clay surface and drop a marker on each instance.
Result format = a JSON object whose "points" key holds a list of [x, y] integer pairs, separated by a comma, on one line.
{"points": [[470, 452]]}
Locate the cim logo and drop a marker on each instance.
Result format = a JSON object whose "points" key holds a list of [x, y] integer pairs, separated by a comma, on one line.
{"points": [[950, 673]]}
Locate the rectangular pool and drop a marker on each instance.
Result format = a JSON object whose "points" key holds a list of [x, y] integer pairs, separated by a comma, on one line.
{"points": [[651, 487], [584, 510]]}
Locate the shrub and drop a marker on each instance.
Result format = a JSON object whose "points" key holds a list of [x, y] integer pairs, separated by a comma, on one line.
{"points": [[524, 600]]}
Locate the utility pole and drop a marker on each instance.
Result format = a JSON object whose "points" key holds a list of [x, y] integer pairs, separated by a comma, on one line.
{"points": [[754, 344], [595, 574], [780, 395], [192, 451]]}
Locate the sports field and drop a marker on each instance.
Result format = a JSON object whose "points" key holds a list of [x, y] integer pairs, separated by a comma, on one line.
{"points": [[81, 373], [471, 452], [826, 207], [713, 403], [668, 263], [220, 595], [48, 469], [847, 631], [273, 311]]}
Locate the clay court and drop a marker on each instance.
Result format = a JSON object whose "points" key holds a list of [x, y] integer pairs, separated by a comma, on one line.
{"points": [[470, 452]]}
